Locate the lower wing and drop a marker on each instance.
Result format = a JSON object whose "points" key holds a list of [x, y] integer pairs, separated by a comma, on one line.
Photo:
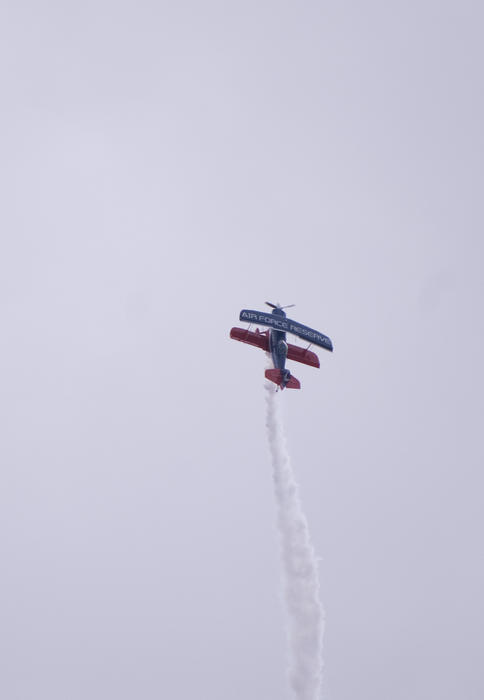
{"points": [[301, 355], [259, 340]]}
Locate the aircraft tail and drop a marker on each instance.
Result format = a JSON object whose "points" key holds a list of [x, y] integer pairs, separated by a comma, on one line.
{"points": [[275, 375]]}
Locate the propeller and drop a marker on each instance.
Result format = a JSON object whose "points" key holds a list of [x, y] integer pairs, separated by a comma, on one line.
{"points": [[278, 306]]}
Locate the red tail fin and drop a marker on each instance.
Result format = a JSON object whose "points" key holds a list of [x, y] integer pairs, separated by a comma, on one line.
{"points": [[275, 375], [293, 383]]}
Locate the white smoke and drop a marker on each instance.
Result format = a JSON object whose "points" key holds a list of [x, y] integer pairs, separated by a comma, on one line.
{"points": [[301, 582]]}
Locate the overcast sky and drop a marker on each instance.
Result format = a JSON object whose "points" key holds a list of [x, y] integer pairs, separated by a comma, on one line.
{"points": [[164, 165]]}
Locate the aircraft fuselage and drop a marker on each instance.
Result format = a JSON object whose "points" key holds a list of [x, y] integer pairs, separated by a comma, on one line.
{"points": [[278, 348]]}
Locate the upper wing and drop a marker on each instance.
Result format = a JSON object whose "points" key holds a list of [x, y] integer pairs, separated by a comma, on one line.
{"points": [[260, 340], [302, 355], [282, 323], [309, 334]]}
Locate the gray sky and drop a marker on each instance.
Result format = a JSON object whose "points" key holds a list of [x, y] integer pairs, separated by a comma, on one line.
{"points": [[162, 166]]}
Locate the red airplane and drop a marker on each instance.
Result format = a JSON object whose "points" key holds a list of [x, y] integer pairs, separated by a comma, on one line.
{"points": [[273, 340]]}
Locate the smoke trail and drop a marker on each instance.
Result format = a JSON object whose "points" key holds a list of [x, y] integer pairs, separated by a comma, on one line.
{"points": [[301, 583]]}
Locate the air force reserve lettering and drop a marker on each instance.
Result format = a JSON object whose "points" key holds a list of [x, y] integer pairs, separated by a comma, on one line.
{"points": [[264, 319], [286, 324], [309, 334]]}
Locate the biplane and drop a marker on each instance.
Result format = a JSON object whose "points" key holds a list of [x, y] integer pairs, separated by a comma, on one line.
{"points": [[273, 341]]}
